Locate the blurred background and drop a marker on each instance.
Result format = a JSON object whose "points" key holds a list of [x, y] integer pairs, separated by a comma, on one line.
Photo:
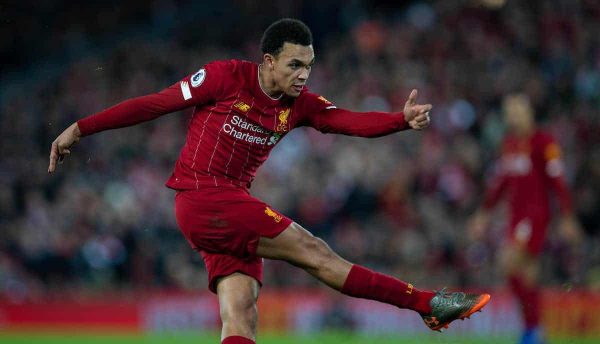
{"points": [[101, 231]]}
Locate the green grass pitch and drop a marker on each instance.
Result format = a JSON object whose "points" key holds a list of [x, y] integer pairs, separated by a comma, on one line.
{"points": [[212, 338]]}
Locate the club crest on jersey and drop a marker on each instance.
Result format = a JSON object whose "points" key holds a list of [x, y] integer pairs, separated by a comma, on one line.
{"points": [[283, 120], [242, 106], [198, 78]]}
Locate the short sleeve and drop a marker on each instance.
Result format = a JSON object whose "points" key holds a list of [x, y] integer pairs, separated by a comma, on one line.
{"points": [[552, 156]]}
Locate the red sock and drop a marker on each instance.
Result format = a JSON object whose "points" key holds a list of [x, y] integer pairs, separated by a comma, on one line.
{"points": [[529, 299], [364, 283], [237, 340], [531, 311]]}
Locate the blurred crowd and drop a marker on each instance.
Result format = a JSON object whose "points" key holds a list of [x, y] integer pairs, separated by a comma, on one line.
{"points": [[399, 204]]}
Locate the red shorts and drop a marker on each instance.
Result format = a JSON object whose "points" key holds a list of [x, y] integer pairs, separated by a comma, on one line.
{"points": [[529, 233], [224, 224]]}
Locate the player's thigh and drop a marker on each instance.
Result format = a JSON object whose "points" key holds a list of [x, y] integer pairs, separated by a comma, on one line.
{"points": [[237, 295], [299, 247], [226, 220], [295, 245]]}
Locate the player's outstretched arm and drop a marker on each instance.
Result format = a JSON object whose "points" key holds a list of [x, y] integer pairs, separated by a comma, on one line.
{"points": [[140, 109], [61, 147], [369, 124], [127, 113]]}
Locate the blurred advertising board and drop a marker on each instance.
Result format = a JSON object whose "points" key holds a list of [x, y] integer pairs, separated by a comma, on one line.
{"points": [[303, 311]]}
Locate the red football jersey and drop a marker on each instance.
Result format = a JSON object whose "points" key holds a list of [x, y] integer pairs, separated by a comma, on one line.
{"points": [[235, 124], [529, 168]]}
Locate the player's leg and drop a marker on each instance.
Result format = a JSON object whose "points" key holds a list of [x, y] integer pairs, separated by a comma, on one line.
{"points": [[522, 269], [234, 273], [299, 247], [237, 304]]}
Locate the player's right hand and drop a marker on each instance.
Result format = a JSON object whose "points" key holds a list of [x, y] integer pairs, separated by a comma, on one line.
{"points": [[61, 147]]}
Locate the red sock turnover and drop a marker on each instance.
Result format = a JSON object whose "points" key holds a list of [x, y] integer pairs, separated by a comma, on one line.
{"points": [[237, 340], [364, 283]]}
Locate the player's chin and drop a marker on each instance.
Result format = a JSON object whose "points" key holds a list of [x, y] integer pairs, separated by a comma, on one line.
{"points": [[293, 92]]}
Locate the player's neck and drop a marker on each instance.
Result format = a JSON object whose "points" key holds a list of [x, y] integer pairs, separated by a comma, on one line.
{"points": [[267, 84]]}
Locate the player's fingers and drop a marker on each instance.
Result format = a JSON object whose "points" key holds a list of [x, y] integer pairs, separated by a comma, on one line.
{"points": [[424, 108], [418, 127], [412, 97], [423, 117], [420, 109], [62, 155], [422, 125], [420, 115], [53, 157]]}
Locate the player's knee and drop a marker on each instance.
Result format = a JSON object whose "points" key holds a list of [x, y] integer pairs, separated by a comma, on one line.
{"points": [[512, 261]]}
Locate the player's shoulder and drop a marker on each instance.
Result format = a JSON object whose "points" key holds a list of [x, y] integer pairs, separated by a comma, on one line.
{"points": [[310, 104], [231, 74], [547, 145], [309, 98], [229, 67]]}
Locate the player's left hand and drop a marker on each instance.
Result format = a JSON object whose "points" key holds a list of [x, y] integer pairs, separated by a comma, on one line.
{"points": [[416, 115]]}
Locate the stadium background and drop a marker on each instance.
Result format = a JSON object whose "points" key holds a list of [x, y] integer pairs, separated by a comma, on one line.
{"points": [[95, 247]]}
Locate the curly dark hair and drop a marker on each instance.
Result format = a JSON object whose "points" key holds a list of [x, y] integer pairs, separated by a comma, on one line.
{"points": [[284, 30]]}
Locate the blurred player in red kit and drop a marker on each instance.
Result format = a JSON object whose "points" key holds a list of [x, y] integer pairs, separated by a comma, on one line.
{"points": [[241, 111], [530, 167]]}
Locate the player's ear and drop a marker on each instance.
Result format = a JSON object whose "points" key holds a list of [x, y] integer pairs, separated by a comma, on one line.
{"points": [[268, 60]]}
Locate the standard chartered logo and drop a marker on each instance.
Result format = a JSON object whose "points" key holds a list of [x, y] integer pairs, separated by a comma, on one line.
{"points": [[251, 133]]}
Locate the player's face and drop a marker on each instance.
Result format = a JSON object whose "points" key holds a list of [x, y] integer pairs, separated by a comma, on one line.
{"points": [[517, 113], [291, 68]]}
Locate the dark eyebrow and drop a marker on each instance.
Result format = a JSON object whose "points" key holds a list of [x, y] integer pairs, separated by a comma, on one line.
{"points": [[302, 63]]}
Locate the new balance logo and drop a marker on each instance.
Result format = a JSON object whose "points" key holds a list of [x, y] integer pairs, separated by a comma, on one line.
{"points": [[321, 98], [242, 106], [276, 217], [409, 289]]}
